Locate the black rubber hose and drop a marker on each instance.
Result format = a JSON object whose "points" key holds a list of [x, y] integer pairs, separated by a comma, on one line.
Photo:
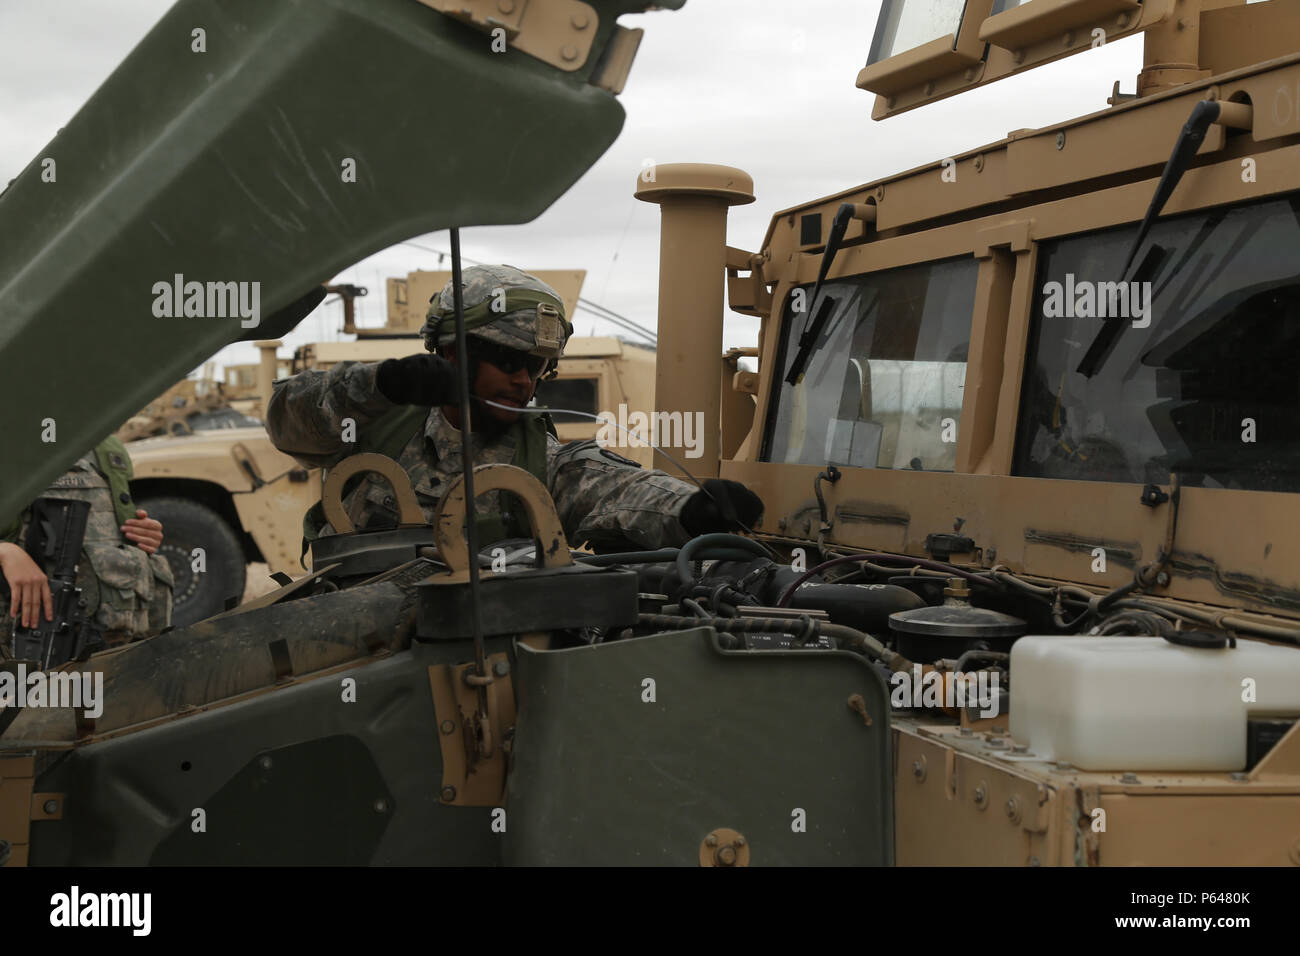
{"points": [[690, 549], [663, 554]]}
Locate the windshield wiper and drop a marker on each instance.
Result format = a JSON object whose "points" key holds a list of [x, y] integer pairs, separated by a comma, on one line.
{"points": [[812, 330], [1204, 115]]}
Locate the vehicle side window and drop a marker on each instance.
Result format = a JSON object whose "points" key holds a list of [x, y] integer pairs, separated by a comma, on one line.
{"points": [[578, 394], [1194, 374], [883, 386]]}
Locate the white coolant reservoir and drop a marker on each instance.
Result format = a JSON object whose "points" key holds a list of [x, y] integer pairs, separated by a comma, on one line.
{"points": [[1142, 703]]}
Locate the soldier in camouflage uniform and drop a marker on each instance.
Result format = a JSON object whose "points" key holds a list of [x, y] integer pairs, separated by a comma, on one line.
{"points": [[127, 586], [515, 330]]}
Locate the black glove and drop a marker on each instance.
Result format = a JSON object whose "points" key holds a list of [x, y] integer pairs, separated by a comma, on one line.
{"points": [[722, 506], [418, 380]]}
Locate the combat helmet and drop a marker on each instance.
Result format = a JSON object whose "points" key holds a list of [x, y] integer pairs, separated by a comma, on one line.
{"points": [[504, 305]]}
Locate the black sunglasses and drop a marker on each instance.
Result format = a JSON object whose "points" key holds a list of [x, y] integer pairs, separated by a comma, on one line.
{"points": [[506, 359]]}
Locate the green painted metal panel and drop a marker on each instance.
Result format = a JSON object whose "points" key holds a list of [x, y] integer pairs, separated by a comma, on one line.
{"points": [[296, 776], [228, 166], [736, 739]]}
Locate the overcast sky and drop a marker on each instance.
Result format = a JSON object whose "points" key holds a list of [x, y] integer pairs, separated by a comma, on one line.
{"points": [[765, 85]]}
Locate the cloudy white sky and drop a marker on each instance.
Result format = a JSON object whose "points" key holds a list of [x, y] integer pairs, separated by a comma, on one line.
{"points": [[765, 85]]}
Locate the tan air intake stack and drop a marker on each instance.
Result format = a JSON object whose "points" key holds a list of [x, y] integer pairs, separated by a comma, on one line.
{"points": [[692, 268], [266, 369]]}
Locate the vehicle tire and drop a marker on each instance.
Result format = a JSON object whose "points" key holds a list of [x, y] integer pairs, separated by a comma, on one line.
{"points": [[188, 525]]}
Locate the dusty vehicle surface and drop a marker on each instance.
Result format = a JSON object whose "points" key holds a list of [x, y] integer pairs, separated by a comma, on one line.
{"points": [[1019, 597]]}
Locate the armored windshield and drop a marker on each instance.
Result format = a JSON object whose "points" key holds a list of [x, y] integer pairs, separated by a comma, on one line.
{"points": [[1202, 377], [883, 388]]}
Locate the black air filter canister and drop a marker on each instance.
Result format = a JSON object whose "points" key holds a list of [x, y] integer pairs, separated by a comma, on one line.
{"points": [[929, 634]]}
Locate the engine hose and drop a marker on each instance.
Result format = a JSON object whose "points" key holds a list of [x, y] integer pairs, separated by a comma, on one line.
{"points": [[1225, 621], [713, 543], [873, 555], [997, 657], [629, 557], [694, 606], [661, 555], [864, 644], [1107, 601], [1148, 623]]}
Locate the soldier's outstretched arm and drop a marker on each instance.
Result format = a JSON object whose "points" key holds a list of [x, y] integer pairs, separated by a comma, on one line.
{"points": [[614, 504], [309, 413]]}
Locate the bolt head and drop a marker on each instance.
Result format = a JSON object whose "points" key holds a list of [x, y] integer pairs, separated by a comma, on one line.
{"points": [[1162, 578], [50, 806], [448, 794], [726, 856], [580, 21], [570, 52], [381, 805], [265, 763], [1060, 140], [711, 840], [447, 727], [501, 668], [1013, 809]]}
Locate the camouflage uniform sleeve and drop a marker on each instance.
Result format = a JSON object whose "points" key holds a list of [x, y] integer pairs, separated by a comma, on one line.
{"points": [[305, 415], [612, 503]]}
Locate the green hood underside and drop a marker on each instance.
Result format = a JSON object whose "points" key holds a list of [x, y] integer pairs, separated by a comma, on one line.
{"points": [[233, 166]]}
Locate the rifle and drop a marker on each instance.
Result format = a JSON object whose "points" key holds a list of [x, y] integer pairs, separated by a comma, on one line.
{"points": [[54, 541]]}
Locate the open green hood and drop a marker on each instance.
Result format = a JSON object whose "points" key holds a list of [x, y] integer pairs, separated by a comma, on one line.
{"points": [[233, 166]]}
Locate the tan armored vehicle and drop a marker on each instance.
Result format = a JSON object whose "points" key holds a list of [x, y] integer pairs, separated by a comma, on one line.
{"points": [[1048, 384], [193, 404], [218, 484], [1024, 591]]}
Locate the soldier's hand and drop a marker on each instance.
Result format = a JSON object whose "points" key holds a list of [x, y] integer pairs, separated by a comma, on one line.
{"points": [[28, 585], [144, 531], [723, 505], [418, 380]]}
